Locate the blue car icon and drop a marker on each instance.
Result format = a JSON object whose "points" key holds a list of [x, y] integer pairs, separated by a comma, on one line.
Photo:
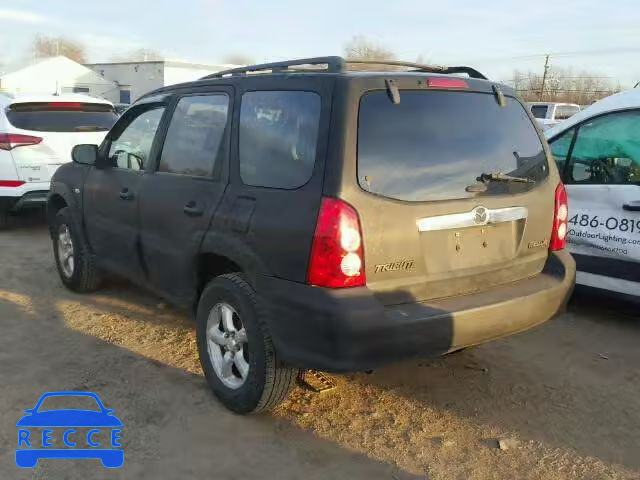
{"points": [[28, 452]]}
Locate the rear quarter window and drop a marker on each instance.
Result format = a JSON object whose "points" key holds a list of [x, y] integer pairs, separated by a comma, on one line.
{"points": [[278, 138], [62, 116], [435, 144], [539, 111]]}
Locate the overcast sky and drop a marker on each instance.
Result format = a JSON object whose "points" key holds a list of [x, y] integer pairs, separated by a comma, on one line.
{"points": [[496, 37]]}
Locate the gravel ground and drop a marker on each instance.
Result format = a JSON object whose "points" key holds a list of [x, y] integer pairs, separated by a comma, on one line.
{"points": [[559, 402]]}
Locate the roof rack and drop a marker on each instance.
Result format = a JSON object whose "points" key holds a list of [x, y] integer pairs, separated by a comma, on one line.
{"points": [[336, 64]]}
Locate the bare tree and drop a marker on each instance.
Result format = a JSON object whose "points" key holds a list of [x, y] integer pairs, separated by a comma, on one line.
{"points": [[239, 59], [361, 48], [563, 85], [44, 46], [139, 55]]}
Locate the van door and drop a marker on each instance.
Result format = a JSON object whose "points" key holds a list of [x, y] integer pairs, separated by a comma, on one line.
{"points": [[600, 164]]}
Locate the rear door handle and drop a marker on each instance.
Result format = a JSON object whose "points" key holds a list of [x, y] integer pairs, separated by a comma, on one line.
{"points": [[632, 206], [192, 209], [126, 194]]}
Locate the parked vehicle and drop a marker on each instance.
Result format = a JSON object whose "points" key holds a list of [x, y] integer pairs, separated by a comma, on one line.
{"points": [[549, 114], [37, 133], [598, 155], [120, 107], [318, 218]]}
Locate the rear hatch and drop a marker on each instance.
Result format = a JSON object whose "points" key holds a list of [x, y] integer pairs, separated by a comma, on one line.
{"points": [[439, 213], [49, 130]]}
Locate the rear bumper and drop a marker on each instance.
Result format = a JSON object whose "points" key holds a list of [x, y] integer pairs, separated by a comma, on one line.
{"points": [[349, 329], [25, 196]]}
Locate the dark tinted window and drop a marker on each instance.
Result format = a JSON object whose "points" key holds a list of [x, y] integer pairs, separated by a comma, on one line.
{"points": [[62, 116], [278, 138], [434, 144], [539, 111], [194, 137]]}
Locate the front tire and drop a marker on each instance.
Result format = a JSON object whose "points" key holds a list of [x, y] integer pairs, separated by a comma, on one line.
{"points": [[235, 347], [76, 265]]}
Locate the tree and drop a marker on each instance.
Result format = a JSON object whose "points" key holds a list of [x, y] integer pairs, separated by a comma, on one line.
{"points": [[139, 55], [361, 48], [44, 46], [563, 85]]}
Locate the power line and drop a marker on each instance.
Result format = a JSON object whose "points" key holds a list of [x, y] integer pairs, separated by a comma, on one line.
{"points": [[603, 51]]}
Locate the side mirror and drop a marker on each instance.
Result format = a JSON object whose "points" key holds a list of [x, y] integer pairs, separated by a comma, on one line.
{"points": [[85, 154], [29, 411]]}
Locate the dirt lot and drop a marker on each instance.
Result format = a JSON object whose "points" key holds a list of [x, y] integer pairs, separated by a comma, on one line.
{"points": [[566, 396]]}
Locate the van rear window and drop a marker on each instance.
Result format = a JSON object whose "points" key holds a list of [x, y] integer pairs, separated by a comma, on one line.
{"points": [[539, 111], [62, 116], [433, 145]]}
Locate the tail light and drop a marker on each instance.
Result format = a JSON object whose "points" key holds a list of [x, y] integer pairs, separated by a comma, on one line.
{"points": [[337, 255], [11, 183], [560, 218], [9, 141]]}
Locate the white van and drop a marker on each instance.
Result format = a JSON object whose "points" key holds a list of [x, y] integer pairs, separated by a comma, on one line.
{"points": [[598, 155], [37, 133], [549, 114]]}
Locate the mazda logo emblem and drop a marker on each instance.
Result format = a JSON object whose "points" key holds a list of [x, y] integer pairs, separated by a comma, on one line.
{"points": [[480, 215]]}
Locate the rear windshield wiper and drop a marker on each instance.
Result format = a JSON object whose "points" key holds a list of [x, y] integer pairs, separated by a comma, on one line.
{"points": [[502, 177]]}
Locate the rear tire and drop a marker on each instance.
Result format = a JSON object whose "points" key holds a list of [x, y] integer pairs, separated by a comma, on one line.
{"points": [[79, 271], [267, 382]]}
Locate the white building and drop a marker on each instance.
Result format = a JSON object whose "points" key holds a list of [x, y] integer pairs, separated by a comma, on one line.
{"points": [[57, 75], [137, 78]]}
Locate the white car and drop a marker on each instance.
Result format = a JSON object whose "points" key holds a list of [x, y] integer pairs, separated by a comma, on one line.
{"points": [[549, 114], [37, 133], [598, 155]]}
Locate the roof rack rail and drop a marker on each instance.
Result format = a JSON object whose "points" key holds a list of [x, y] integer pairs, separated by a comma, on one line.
{"points": [[419, 67], [335, 64]]}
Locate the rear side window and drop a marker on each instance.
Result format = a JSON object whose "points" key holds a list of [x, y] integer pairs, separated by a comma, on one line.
{"points": [[62, 116], [539, 111], [565, 111], [278, 138], [195, 134], [435, 144]]}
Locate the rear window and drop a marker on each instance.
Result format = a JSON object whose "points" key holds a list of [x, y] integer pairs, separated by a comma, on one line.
{"points": [[539, 111], [433, 145], [62, 116]]}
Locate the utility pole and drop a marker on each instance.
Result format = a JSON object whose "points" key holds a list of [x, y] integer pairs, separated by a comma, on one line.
{"points": [[544, 75]]}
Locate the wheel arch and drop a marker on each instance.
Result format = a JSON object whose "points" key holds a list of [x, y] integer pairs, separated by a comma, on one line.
{"points": [[222, 253], [58, 198]]}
